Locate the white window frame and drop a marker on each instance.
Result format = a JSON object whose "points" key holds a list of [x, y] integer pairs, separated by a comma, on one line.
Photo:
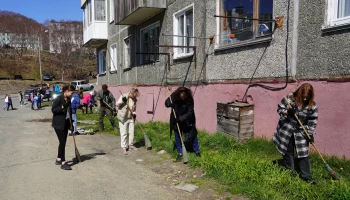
{"points": [[111, 11], [175, 30], [332, 14], [90, 12], [156, 24], [113, 57], [126, 65], [102, 54]]}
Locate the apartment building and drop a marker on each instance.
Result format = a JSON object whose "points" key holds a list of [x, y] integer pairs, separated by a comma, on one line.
{"points": [[219, 48]]}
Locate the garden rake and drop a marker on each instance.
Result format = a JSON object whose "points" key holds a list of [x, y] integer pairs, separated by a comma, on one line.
{"points": [[332, 173], [77, 154], [184, 151], [146, 138]]}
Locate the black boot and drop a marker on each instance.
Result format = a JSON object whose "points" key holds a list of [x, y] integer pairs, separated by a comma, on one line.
{"points": [[198, 154]]}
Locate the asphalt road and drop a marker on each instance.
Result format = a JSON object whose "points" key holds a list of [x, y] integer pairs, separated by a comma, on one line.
{"points": [[28, 148]]}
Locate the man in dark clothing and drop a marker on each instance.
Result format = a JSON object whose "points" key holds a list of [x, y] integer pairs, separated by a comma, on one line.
{"points": [[183, 104], [106, 97]]}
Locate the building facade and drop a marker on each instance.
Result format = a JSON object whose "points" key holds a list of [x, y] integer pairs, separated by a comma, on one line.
{"points": [[220, 47]]}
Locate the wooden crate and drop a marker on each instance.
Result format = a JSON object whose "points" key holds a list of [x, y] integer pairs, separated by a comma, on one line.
{"points": [[236, 120]]}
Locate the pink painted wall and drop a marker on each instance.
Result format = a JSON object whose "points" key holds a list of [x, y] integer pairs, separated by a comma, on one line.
{"points": [[332, 136]]}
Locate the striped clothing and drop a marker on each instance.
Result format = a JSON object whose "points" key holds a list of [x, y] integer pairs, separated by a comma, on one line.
{"points": [[288, 125]]}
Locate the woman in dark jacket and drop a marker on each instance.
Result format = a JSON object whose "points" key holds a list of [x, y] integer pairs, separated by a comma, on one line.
{"points": [[183, 104], [61, 122]]}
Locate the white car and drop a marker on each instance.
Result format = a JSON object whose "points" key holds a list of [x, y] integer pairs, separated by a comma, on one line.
{"points": [[82, 85]]}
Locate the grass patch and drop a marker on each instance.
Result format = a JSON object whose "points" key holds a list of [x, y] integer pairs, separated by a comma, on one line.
{"points": [[248, 168]]}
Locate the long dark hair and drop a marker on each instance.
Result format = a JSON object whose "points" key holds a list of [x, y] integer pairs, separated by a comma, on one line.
{"points": [[188, 94], [68, 87]]}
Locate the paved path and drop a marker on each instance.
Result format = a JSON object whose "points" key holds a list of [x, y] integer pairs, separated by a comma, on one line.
{"points": [[27, 171]]}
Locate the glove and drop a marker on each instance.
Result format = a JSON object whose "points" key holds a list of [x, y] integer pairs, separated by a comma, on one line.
{"points": [[124, 99], [177, 120], [311, 139], [134, 116], [114, 110], [291, 111]]}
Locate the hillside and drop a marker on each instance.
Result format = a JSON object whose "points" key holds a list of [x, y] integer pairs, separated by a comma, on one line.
{"points": [[16, 58]]}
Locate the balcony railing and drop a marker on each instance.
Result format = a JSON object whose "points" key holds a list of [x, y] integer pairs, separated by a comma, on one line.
{"points": [[133, 12]]}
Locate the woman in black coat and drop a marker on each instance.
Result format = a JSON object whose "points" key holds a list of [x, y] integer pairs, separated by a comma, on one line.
{"points": [[183, 104], [61, 122]]}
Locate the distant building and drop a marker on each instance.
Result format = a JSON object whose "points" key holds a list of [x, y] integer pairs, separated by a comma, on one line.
{"points": [[65, 36]]}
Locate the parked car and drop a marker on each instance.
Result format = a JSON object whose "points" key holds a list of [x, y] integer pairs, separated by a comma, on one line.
{"points": [[18, 77], [82, 85], [4, 78], [48, 77], [28, 92]]}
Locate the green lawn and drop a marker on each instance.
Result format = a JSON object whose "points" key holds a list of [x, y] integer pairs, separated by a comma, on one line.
{"points": [[249, 169]]}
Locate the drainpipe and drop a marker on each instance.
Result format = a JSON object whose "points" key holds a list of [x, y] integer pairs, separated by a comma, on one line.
{"points": [[295, 39]]}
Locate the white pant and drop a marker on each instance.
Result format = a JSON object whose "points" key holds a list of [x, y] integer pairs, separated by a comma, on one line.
{"points": [[124, 128]]}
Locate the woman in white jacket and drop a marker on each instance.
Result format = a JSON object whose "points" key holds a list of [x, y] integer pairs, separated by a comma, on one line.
{"points": [[127, 115]]}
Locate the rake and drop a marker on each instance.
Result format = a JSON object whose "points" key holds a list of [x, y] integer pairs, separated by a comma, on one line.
{"points": [[77, 154], [331, 172]]}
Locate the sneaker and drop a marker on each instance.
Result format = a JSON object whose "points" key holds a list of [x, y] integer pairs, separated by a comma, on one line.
{"points": [[198, 154], [76, 133], [132, 147], [179, 157], [65, 166], [125, 152], [58, 162], [310, 180]]}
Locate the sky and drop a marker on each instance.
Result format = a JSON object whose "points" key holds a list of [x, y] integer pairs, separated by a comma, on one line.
{"points": [[41, 10]]}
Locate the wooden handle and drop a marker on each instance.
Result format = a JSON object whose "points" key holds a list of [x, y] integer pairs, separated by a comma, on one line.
{"points": [[177, 124]]}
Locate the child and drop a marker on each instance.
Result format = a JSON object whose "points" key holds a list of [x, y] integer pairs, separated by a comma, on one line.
{"points": [[6, 102], [9, 103], [21, 102], [35, 102]]}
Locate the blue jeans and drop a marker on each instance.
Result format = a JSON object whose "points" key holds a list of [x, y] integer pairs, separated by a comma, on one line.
{"points": [[6, 105], [74, 117], [178, 144]]}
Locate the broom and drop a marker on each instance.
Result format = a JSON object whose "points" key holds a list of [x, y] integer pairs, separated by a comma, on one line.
{"points": [[184, 151], [146, 138], [77, 154], [332, 173]]}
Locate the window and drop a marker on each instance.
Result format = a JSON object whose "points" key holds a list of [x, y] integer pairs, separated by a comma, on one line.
{"points": [[338, 12], [126, 54], [113, 58], [238, 25], [149, 39], [183, 31], [111, 11], [102, 62], [100, 10], [89, 11]]}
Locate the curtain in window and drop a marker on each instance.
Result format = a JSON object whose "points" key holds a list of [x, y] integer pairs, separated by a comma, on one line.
{"points": [[100, 10], [343, 8]]}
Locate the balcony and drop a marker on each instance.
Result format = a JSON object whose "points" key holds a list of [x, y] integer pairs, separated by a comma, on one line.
{"points": [[96, 34], [95, 23], [133, 12]]}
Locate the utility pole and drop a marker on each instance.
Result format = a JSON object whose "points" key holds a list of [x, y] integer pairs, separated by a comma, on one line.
{"points": [[41, 76]]}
